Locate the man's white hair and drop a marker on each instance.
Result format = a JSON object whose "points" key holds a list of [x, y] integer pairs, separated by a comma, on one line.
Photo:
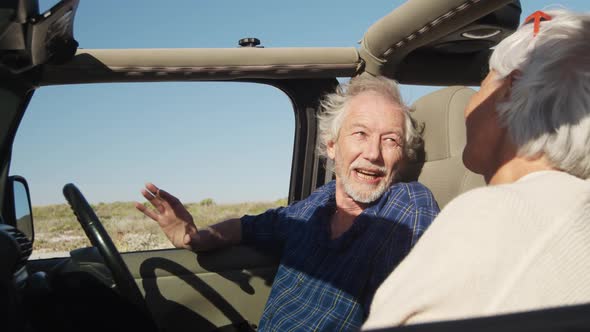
{"points": [[548, 111], [334, 108]]}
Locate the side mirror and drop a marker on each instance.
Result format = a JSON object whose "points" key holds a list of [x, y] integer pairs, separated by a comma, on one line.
{"points": [[19, 205]]}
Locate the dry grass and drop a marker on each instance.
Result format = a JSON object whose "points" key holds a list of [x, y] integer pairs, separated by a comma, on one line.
{"points": [[57, 230]]}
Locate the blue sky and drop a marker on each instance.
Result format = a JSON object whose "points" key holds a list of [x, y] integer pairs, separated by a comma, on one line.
{"points": [[151, 132]]}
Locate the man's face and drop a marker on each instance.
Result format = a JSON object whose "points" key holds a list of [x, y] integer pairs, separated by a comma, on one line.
{"points": [[484, 134], [369, 147]]}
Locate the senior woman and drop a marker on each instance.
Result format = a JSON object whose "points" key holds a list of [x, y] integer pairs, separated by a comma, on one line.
{"points": [[523, 241]]}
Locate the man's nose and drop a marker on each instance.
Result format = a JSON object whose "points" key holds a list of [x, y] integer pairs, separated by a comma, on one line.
{"points": [[373, 149]]}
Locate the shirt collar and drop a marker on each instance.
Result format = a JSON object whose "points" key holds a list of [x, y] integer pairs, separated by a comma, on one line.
{"points": [[327, 206]]}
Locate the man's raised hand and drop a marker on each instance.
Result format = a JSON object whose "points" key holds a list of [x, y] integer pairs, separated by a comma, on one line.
{"points": [[169, 212]]}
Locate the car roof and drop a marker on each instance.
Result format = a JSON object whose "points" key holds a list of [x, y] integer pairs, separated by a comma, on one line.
{"points": [[443, 42]]}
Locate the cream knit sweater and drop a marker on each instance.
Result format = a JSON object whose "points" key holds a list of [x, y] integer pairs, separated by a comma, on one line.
{"points": [[492, 250]]}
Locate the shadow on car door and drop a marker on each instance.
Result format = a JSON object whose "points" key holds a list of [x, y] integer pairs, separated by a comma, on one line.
{"points": [[186, 291]]}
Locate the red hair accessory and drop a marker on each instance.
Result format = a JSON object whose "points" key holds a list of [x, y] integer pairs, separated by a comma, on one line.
{"points": [[537, 17]]}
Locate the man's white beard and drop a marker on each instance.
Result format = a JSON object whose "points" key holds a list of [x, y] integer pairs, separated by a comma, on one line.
{"points": [[363, 195]]}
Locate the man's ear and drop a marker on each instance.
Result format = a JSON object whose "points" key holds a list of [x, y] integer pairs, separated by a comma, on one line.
{"points": [[331, 149]]}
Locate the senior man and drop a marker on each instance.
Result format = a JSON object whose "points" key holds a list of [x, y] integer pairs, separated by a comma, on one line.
{"points": [[340, 243], [522, 242]]}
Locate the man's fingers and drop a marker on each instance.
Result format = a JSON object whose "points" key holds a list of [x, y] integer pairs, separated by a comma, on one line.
{"points": [[141, 207], [167, 197], [159, 198], [149, 213], [147, 195], [152, 188], [156, 201]]}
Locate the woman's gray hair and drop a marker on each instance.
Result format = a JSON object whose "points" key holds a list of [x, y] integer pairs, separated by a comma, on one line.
{"points": [[334, 107], [548, 111]]}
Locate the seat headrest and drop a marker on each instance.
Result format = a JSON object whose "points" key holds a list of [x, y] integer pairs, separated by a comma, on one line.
{"points": [[441, 165], [442, 114]]}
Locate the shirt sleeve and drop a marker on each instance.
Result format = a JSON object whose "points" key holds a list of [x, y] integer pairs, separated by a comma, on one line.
{"points": [[267, 230], [270, 229]]}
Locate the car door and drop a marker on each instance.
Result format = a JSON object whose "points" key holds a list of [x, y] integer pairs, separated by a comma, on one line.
{"points": [[183, 290]]}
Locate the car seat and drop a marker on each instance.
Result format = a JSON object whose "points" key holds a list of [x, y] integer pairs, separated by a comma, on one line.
{"points": [[440, 165]]}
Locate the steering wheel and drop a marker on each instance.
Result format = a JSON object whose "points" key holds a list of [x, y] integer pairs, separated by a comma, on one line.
{"points": [[100, 239]]}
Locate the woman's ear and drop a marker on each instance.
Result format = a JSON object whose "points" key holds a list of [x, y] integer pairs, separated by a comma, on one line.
{"points": [[509, 83], [515, 75]]}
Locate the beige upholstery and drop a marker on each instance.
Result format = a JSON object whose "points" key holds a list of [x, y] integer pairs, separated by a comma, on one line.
{"points": [[444, 138]]}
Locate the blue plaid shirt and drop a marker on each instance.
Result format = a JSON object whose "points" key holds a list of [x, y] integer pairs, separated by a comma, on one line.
{"points": [[325, 284]]}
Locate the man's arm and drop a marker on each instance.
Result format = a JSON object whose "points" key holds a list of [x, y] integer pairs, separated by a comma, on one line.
{"points": [[178, 224], [223, 234]]}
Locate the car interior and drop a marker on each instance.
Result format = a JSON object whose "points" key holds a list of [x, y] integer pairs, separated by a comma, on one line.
{"points": [[442, 169], [443, 43]]}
